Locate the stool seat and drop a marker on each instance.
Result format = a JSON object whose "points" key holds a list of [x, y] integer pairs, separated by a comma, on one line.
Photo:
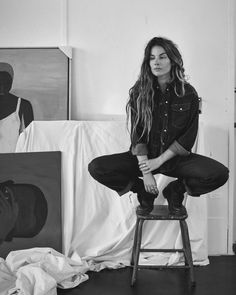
{"points": [[161, 212]]}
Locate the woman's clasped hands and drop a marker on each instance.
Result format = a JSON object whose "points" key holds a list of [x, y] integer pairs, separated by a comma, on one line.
{"points": [[149, 165]]}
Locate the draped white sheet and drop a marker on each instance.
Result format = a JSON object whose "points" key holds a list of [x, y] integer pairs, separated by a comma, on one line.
{"points": [[98, 225]]}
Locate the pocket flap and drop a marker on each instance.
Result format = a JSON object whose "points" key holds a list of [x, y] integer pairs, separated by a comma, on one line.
{"points": [[182, 107]]}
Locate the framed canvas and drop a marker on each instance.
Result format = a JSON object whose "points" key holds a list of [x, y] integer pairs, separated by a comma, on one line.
{"points": [[42, 77], [30, 201]]}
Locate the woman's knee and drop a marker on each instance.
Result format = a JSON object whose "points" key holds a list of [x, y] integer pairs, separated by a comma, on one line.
{"points": [[222, 176], [218, 178], [94, 168], [208, 183]]}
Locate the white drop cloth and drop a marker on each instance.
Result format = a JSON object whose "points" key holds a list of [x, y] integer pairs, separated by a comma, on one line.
{"points": [[98, 225], [39, 271]]}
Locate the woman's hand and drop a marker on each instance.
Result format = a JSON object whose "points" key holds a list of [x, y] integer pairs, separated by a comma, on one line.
{"points": [[150, 183], [148, 165]]}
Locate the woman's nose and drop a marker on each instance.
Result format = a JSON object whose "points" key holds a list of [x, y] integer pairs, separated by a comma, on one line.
{"points": [[156, 61]]}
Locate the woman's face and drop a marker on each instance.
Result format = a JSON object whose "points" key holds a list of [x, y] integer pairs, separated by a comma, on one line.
{"points": [[159, 62]]}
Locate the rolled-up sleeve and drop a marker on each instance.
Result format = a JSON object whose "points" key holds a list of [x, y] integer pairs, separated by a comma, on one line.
{"points": [[178, 149], [139, 140], [140, 149], [187, 138]]}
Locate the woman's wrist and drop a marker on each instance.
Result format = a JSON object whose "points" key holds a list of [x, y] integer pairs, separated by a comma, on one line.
{"points": [[142, 158], [167, 155], [159, 161]]}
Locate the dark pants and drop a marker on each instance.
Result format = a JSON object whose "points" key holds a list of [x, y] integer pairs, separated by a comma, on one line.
{"points": [[198, 174]]}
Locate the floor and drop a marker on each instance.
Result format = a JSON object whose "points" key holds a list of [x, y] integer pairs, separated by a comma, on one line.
{"points": [[217, 278]]}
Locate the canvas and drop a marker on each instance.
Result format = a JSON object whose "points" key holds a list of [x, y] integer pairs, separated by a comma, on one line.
{"points": [[30, 201], [41, 76]]}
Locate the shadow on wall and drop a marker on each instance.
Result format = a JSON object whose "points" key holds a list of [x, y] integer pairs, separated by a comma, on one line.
{"points": [[215, 142]]}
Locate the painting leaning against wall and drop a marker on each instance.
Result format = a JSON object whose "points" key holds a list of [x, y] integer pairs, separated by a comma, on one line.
{"points": [[30, 201], [41, 75], [34, 85]]}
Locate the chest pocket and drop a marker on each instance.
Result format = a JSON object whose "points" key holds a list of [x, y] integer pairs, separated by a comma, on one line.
{"points": [[180, 114]]}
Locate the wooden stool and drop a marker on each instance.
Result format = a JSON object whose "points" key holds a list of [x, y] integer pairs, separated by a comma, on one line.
{"points": [[161, 212]]}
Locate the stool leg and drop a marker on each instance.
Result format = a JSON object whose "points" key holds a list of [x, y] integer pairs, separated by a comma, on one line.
{"points": [[187, 250], [135, 242], [137, 250]]}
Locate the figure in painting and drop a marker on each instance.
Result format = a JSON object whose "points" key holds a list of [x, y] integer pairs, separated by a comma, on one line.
{"points": [[15, 113]]}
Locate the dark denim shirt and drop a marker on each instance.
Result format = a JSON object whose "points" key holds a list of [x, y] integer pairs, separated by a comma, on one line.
{"points": [[174, 125]]}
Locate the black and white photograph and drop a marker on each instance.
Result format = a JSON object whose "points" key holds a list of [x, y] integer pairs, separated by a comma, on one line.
{"points": [[117, 147]]}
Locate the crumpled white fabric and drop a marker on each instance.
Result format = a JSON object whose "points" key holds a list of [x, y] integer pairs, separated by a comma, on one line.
{"points": [[39, 271]]}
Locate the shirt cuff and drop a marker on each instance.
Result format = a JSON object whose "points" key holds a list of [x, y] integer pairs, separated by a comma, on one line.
{"points": [[178, 149], [139, 149]]}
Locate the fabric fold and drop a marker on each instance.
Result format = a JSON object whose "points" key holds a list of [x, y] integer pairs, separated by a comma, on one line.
{"points": [[40, 271]]}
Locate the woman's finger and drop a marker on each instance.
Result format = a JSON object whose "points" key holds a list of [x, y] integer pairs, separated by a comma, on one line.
{"points": [[143, 164], [146, 172], [147, 188]]}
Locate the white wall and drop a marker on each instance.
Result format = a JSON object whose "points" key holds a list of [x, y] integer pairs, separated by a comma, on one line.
{"points": [[108, 38], [30, 23], [234, 32]]}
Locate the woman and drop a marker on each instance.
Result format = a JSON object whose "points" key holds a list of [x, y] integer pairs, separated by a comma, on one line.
{"points": [[164, 111]]}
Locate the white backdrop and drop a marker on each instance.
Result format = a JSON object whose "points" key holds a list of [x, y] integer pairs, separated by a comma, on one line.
{"points": [[98, 225]]}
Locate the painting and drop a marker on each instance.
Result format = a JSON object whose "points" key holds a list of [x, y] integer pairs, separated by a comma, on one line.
{"points": [[41, 76], [30, 201]]}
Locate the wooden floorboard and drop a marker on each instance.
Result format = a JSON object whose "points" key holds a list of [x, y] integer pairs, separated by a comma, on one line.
{"points": [[217, 278]]}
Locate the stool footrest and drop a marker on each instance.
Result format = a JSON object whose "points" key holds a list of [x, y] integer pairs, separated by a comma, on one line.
{"points": [[161, 250]]}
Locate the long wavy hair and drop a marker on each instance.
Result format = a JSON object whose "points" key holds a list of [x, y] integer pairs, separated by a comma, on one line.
{"points": [[141, 102]]}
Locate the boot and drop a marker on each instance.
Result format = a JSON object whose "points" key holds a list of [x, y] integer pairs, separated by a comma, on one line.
{"points": [[145, 199], [174, 193]]}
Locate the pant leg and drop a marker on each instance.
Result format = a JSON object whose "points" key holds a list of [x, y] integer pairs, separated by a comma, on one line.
{"points": [[200, 174], [119, 171]]}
